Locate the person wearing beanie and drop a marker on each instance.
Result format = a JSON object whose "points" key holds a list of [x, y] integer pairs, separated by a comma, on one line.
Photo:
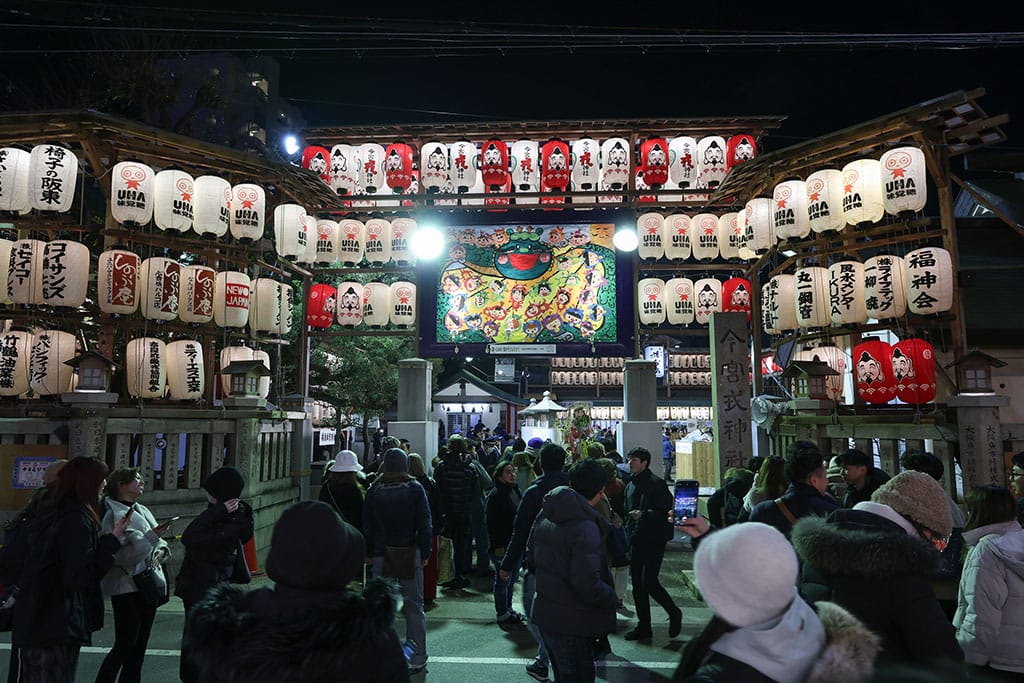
{"points": [[396, 514], [877, 561], [457, 480], [309, 626]]}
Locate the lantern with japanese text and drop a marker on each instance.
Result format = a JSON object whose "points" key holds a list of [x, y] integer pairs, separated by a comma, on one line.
{"points": [[316, 160], [736, 296], [289, 230], [759, 226], [738, 149], [846, 293], [186, 375], [231, 299], [16, 350], [905, 174], [682, 166], [159, 280], [650, 294], [433, 166], [398, 166], [352, 234], [14, 174], [48, 374], [263, 385], [65, 276], [25, 272], [835, 358], [778, 304], [679, 301], [677, 237], [172, 200], [769, 320], [654, 161], [371, 167], [615, 163], [650, 228], [308, 255], [403, 304], [344, 169], [929, 282], [117, 282], [812, 301], [730, 235], [885, 295], [585, 168], [286, 309], [197, 294], [790, 212], [52, 173], [350, 304], [132, 193], [146, 365], [229, 355], [913, 369], [463, 165], [376, 304], [872, 361], [264, 306], [211, 206], [5, 264], [554, 166], [321, 307], [709, 299], [825, 200], [327, 239], [402, 232], [378, 241], [494, 165], [248, 212], [704, 236], [711, 167], [862, 192]]}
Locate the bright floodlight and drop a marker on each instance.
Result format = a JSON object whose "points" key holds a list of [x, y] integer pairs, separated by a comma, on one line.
{"points": [[291, 145], [427, 243], [625, 239]]}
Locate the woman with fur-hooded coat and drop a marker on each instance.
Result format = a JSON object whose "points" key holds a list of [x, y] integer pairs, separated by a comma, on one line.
{"points": [[309, 627]]}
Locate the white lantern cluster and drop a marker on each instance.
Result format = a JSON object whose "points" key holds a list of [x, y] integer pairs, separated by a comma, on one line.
{"points": [[705, 237], [156, 369], [679, 301], [54, 273]]}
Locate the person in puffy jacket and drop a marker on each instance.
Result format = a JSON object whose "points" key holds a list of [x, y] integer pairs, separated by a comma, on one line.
{"points": [[457, 479]]}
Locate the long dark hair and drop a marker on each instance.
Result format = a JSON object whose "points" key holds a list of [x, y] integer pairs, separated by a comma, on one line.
{"points": [[78, 485], [989, 505]]}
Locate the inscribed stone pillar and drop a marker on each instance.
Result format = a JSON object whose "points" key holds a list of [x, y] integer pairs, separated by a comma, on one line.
{"points": [[981, 438], [730, 391]]}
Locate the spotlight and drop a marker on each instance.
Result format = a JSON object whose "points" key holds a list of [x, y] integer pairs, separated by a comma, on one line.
{"points": [[625, 239], [291, 145], [427, 243]]}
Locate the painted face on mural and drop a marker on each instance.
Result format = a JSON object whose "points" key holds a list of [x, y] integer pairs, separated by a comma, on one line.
{"points": [[869, 370], [457, 253]]}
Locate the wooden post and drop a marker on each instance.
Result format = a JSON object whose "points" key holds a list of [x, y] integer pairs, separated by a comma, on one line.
{"points": [[889, 455]]}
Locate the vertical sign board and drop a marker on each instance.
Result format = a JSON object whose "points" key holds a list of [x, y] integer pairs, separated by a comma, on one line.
{"points": [[730, 391]]}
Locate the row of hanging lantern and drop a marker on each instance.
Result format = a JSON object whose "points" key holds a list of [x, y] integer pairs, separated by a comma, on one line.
{"points": [[689, 361], [373, 304], [588, 362], [303, 238], [323, 413], [587, 378], [679, 237], [682, 301], [36, 272], [850, 292], [36, 361], [43, 179], [176, 370], [690, 379]]}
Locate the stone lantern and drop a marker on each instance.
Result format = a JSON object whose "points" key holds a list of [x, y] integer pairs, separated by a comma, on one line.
{"points": [[977, 417], [808, 384], [94, 371], [244, 383]]}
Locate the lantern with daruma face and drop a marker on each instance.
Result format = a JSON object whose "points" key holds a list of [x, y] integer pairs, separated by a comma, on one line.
{"points": [[913, 369], [231, 299], [812, 301], [463, 165], [738, 149], [585, 167], [197, 294], [885, 295], [704, 239], [615, 163], [376, 304], [344, 169], [322, 306], [349, 309], [654, 162], [650, 228], [352, 235], [679, 301], [25, 272], [736, 296], [554, 166], [371, 167], [146, 365], [682, 167], [248, 212], [494, 165], [289, 230], [48, 374], [872, 361], [14, 173], [378, 241], [65, 273], [929, 281], [132, 193], [211, 206], [317, 160], [846, 293], [117, 282], [186, 374], [711, 168], [433, 166], [52, 173], [677, 237], [651, 301], [16, 350], [172, 201], [790, 212], [403, 304], [862, 192], [709, 299], [904, 173], [778, 304], [398, 166], [326, 242], [825, 200]]}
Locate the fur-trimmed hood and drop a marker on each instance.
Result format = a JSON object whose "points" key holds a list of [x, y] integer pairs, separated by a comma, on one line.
{"points": [[850, 647]]}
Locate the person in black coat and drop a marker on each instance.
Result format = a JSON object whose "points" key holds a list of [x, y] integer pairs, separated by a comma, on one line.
{"points": [[309, 627], [861, 476], [343, 491], [500, 512], [807, 493], [456, 478]]}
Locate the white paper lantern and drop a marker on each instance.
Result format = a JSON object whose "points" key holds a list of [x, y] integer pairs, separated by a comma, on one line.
{"points": [[327, 238], [730, 236], [475, 194], [210, 206], [885, 279], [682, 168], [433, 166], [231, 291], [376, 304], [790, 214], [25, 272], [196, 294], [709, 299], [172, 202], [132, 193], [350, 304], [811, 297], [229, 355], [146, 365], [585, 164], [650, 294], [371, 167], [308, 255], [650, 229], [677, 237], [402, 232], [159, 280], [186, 372], [248, 212], [118, 282], [862, 192], [48, 374], [769, 304], [905, 174], [264, 306], [352, 234], [711, 167], [704, 236], [378, 241], [846, 293], [679, 301], [463, 165], [759, 230], [286, 309], [65, 273], [52, 173], [615, 165], [344, 169], [5, 264], [14, 175], [263, 385], [525, 161], [289, 230], [403, 304], [16, 350], [929, 280], [825, 200]]}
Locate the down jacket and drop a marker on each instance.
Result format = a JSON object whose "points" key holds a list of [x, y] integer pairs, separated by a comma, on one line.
{"points": [[989, 618], [140, 546], [211, 544]]}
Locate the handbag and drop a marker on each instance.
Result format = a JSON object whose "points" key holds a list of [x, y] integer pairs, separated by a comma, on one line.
{"points": [[445, 563], [240, 569], [149, 587], [399, 561]]}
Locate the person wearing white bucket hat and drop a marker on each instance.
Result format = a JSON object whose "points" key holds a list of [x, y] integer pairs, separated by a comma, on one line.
{"points": [[343, 489]]}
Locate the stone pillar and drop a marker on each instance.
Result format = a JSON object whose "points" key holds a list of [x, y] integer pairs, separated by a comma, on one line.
{"points": [[414, 396], [640, 426], [87, 435], [301, 446], [889, 456], [981, 438], [730, 392]]}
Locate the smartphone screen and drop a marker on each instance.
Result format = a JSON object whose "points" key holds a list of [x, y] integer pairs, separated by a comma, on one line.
{"points": [[687, 491]]}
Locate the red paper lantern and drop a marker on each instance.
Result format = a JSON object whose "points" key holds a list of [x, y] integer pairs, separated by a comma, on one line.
{"points": [[913, 368], [322, 305], [398, 166], [740, 148], [554, 166], [494, 165], [736, 296], [654, 162], [872, 361], [318, 160]]}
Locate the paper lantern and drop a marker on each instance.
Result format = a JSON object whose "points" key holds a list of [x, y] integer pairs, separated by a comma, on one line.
{"points": [[16, 350], [376, 304], [398, 166], [229, 355], [263, 385], [308, 255], [812, 301], [371, 167], [320, 308], [494, 165], [14, 174], [231, 299], [679, 301], [606, 198], [463, 165], [778, 304], [344, 169], [709, 299], [825, 200], [790, 217], [197, 294], [846, 293], [615, 165], [264, 306], [759, 226], [117, 282], [352, 234], [738, 149], [905, 174], [768, 302], [585, 168], [316, 159], [872, 361], [682, 167], [677, 237], [730, 235], [929, 280], [159, 280], [65, 273], [862, 192], [286, 309], [186, 374], [52, 172], [554, 166], [711, 168], [736, 296], [433, 166], [248, 212], [402, 232], [403, 304], [132, 193], [378, 241], [650, 228], [5, 264], [654, 162], [211, 206], [172, 200], [650, 294], [496, 201], [350, 304], [146, 365], [885, 294], [48, 374], [327, 238], [25, 272], [289, 230], [704, 236], [835, 358], [913, 369]]}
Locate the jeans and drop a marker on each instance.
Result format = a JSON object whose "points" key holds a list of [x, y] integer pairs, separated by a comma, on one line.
{"points": [[572, 657], [503, 589], [412, 610], [644, 567], [132, 623], [529, 593]]}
